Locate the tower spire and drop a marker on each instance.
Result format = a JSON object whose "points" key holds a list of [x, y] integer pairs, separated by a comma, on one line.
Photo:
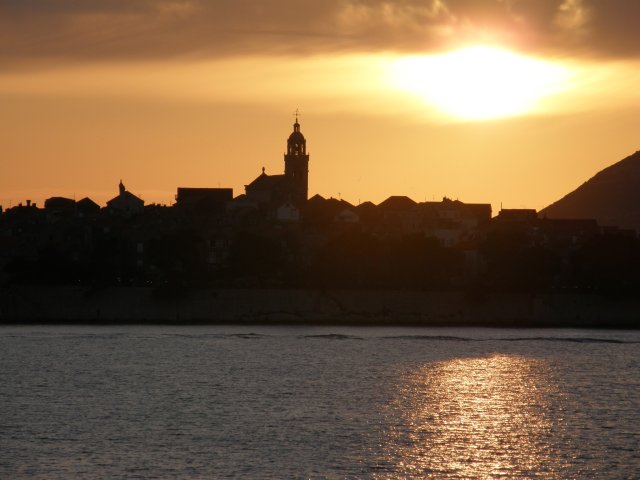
{"points": [[296, 163]]}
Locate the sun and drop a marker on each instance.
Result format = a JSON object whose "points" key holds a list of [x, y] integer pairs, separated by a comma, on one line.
{"points": [[479, 82]]}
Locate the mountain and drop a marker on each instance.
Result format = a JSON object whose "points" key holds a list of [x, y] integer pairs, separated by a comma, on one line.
{"points": [[612, 197]]}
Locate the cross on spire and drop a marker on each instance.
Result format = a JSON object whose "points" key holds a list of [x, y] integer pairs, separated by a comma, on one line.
{"points": [[297, 114]]}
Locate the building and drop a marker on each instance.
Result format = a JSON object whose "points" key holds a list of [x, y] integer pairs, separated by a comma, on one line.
{"points": [[453, 222], [292, 187], [58, 204], [204, 200], [87, 207], [126, 202], [288, 213]]}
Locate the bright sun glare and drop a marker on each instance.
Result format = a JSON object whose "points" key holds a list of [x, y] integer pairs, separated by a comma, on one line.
{"points": [[479, 82]]}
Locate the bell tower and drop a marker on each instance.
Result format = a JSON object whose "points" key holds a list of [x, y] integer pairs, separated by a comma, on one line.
{"points": [[296, 165]]}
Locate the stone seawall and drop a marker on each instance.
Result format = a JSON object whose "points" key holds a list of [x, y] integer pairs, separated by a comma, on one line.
{"points": [[264, 306]]}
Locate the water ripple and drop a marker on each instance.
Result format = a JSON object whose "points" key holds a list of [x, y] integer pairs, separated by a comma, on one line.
{"points": [[318, 402]]}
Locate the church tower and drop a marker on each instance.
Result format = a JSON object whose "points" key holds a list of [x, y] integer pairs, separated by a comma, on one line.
{"points": [[296, 165]]}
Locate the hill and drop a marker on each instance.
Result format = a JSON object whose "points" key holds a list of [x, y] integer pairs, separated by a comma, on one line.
{"points": [[612, 197]]}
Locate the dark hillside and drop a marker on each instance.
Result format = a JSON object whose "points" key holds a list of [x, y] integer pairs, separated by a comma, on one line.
{"points": [[612, 197]]}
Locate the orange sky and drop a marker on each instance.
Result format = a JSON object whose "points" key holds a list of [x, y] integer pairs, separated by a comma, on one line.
{"points": [[192, 93]]}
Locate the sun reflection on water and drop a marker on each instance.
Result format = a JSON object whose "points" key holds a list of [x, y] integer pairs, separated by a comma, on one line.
{"points": [[481, 418]]}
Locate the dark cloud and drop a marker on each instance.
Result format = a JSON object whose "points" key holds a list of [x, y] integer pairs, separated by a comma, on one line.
{"points": [[614, 25], [57, 30]]}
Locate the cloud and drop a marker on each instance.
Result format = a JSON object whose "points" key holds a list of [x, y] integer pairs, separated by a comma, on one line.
{"points": [[573, 16], [81, 30]]}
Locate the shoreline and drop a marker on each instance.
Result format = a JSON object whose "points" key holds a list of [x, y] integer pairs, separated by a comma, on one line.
{"points": [[144, 306]]}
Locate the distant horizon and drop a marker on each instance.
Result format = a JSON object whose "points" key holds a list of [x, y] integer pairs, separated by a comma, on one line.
{"points": [[102, 198]]}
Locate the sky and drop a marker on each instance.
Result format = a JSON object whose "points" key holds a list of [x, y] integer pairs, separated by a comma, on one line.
{"points": [[508, 102]]}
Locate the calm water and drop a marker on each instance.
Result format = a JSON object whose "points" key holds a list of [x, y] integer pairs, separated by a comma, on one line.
{"points": [[240, 402]]}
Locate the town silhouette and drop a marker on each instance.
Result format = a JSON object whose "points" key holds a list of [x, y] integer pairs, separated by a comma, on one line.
{"points": [[274, 236]]}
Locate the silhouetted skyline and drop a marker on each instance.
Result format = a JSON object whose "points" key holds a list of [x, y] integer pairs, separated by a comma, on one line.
{"points": [[504, 102]]}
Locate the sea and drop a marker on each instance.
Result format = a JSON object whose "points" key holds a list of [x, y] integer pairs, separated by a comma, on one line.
{"points": [[318, 402]]}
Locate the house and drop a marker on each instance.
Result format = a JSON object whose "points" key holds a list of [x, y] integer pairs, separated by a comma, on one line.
{"points": [[87, 207], [57, 208], [323, 211], [400, 214], [126, 202], [59, 204], [452, 221]]}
